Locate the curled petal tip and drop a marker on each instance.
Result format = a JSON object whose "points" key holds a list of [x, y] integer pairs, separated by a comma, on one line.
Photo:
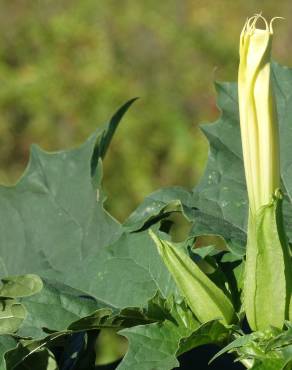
{"points": [[250, 24], [272, 21]]}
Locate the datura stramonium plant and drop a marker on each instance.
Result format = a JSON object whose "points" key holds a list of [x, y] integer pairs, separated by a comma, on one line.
{"points": [[267, 284]]}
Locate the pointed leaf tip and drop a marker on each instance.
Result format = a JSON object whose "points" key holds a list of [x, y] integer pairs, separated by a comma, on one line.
{"points": [[105, 139]]}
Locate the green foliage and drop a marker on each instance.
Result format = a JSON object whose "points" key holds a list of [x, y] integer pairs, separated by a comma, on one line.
{"points": [[268, 350], [114, 278]]}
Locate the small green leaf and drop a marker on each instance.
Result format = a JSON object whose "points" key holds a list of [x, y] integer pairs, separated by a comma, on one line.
{"points": [[271, 349], [152, 346], [237, 343], [20, 286], [12, 315], [210, 332]]}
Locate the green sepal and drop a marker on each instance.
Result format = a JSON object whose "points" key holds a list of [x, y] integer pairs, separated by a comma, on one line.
{"points": [[290, 306], [204, 298], [267, 285]]}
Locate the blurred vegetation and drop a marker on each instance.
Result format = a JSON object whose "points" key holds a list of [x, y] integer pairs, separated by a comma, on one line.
{"points": [[66, 65]]}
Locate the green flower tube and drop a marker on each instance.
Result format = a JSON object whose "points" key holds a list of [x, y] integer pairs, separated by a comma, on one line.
{"points": [[205, 299], [267, 273]]}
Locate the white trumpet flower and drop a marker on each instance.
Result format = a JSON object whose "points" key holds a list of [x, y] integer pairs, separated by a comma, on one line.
{"points": [[267, 283], [258, 116]]}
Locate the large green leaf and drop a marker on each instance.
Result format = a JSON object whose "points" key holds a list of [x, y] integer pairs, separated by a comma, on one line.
{"points": [[53, 214], [220, 197], [53, 218], [62, 232], [127, 273], [53, 223]]}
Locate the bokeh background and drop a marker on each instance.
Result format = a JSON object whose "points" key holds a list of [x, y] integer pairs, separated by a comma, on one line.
{"points": [[67, 65]]}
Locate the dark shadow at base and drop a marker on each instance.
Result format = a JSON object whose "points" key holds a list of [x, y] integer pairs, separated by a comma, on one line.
{"points": [[109, 366], [198, 358]]}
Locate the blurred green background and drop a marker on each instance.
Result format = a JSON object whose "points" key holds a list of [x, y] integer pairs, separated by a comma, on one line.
{"points": [[67, 65]]}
